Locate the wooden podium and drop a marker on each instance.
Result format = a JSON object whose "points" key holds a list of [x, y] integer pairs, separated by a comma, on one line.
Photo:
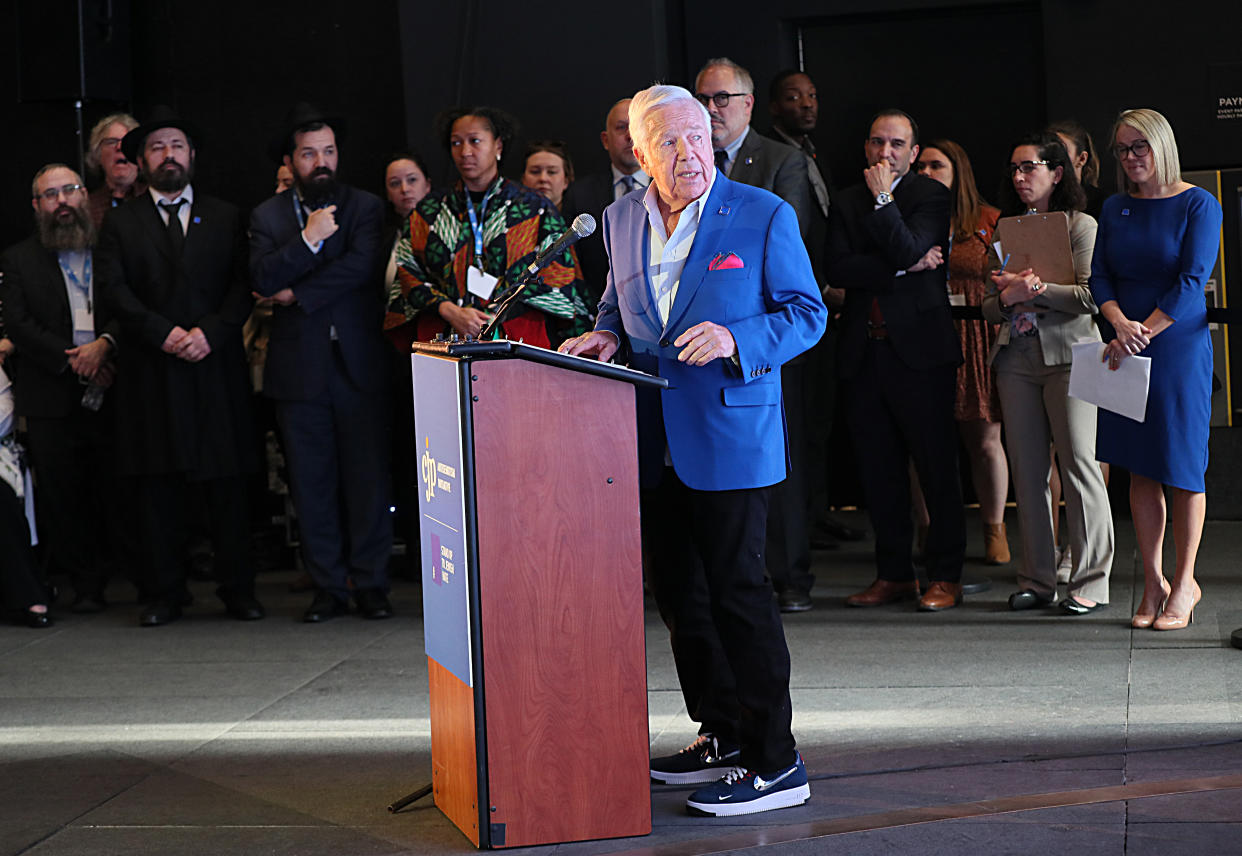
{"points": [[532, 593]]}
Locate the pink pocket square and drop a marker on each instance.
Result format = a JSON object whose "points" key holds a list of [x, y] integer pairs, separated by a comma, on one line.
{"points": [[726, 261]]}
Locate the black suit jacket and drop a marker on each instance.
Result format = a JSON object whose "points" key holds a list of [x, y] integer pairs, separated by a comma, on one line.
{"points": [[38, 320], [174, 416], [780, 168], [867, 247], [336, 287], [591, 195]]}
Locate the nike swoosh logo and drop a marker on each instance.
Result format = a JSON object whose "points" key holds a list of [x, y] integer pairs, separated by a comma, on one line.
{"points": [[762, 785]]}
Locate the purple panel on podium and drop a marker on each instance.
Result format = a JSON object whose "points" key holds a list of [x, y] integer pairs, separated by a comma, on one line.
{"points": [[442, 515]]}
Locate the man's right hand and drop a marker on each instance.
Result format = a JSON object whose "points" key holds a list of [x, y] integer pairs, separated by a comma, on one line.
{"points": [[320, 225], [931, 260], [173, 340], [599, 343]]}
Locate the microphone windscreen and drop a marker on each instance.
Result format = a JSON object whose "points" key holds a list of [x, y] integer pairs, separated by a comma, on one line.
{"points": [[583, 225]]}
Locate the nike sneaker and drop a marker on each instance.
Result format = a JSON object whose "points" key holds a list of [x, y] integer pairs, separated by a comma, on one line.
{"points": [[744, 791], [704, 760]]}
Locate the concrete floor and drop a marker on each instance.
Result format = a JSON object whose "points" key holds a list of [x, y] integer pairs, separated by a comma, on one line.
{"points": [[974, 731]]}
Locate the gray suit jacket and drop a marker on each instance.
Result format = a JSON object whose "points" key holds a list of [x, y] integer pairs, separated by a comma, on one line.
{"points": [[777, 167]]}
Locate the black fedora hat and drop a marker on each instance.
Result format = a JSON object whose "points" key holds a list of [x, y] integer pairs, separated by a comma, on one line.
{"points": [[301, 115], [161, 116]]}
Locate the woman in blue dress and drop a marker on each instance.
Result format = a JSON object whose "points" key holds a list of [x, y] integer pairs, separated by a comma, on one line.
{"points": [[1157, 244]]}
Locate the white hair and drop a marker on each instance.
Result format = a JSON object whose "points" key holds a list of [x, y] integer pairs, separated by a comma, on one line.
{"points": [[647, 101]]}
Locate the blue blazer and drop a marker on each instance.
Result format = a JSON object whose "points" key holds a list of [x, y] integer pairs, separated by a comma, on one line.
{"points": [[723, 423]]}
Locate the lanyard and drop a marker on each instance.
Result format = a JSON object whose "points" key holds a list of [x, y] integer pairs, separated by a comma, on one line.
{"points": [[84, 287], [297, 210], [475, 220]]}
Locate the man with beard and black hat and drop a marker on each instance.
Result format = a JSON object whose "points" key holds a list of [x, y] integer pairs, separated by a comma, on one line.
{"points": [[66, 343], [172, 267], [313, 250]]}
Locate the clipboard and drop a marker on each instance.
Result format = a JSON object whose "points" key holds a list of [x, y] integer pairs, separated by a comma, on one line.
{"points": [[1040, 242]]}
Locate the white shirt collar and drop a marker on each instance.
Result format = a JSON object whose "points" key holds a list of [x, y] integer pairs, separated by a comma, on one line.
{"points": [[187, 193]]}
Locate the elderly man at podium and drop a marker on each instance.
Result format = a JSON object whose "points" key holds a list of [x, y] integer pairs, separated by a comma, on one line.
{"points": [[710, 287]]}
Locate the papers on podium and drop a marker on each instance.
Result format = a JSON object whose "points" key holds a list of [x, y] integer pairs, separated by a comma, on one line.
{"points": [[1123, 391]]}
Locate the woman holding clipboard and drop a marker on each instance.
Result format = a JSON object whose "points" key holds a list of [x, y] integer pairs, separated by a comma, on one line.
{"points": [[1032, 354], [1158, 243]]}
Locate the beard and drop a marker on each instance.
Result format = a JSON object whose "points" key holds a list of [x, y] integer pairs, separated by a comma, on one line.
{"points": [[67, 228], [170, 176], [319, 188]]}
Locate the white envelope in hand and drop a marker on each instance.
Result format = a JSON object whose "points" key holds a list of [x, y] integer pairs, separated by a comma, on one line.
{"points": [[1123, 391]]}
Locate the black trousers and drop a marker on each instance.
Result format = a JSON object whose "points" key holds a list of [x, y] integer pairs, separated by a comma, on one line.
{"points": [[76, 497], [708, 578], [337, 448], [169, 504], [20, 585], [788, 542], [896, 414]]}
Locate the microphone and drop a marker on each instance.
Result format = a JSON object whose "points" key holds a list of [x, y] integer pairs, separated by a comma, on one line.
{"points": [[583, 225]]}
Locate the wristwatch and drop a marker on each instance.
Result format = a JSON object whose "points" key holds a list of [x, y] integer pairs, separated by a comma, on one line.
{"points": [[883, 197]]}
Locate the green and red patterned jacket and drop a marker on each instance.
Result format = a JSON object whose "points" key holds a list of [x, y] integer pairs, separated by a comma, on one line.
{"points": [[438, 247]]}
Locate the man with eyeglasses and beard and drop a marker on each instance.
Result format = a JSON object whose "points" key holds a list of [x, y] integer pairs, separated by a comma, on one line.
{"points": [[172, 267], [313, 251], [66, 343]]}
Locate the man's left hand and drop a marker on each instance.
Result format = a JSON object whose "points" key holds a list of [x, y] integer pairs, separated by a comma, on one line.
{"points": [[85, 360], [194, 346], [705, 342]]}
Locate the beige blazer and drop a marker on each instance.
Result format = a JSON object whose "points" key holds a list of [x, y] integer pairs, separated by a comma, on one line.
{"points": [[1065, 309]]}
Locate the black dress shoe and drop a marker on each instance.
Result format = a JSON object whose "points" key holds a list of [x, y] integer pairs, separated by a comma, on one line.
{"points": [[324, 608], [243, 607], [88, 603], [1024, 599], [159, 612], [840, 531], [794, 600], [38, 620], [1071, 606], [372, 603]]}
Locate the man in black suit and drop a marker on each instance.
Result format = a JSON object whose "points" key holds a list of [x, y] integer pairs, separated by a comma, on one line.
{"points": [[172, 266], [899, 355], [596, 192], [49, 299], [727, 91], [313, 250]]}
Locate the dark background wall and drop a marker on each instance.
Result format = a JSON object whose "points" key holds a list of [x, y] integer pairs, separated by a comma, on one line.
{"points": [[976, 71]]}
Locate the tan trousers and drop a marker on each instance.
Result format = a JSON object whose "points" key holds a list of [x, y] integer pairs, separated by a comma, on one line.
{"points": [[1038, 411]]}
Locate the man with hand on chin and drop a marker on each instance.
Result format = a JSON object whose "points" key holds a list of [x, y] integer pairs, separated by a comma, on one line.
{"points": [[710, 287], [313, 251], [898, 356]]}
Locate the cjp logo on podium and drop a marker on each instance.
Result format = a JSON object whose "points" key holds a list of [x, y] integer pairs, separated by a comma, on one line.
{"points": [[436, 476]]}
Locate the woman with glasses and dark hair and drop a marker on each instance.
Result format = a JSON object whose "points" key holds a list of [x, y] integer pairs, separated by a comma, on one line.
{"points": [[549, 171], [1158, 243], [465, 246], [1086, 163], [977, 407], [1040, 321]]}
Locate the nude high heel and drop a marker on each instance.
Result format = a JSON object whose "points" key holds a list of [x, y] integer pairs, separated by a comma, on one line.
{"points": [[1143, 620], [1171, 621]]}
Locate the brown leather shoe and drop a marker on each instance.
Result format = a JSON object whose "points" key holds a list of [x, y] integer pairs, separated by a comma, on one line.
{"points": [[941, 595], [881, 592]]}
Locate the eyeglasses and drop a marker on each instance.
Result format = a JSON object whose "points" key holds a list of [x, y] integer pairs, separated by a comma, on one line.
{"points": [[1139, 149], [720, 99], [110, 143], [1026, 167], [52, 192]]}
